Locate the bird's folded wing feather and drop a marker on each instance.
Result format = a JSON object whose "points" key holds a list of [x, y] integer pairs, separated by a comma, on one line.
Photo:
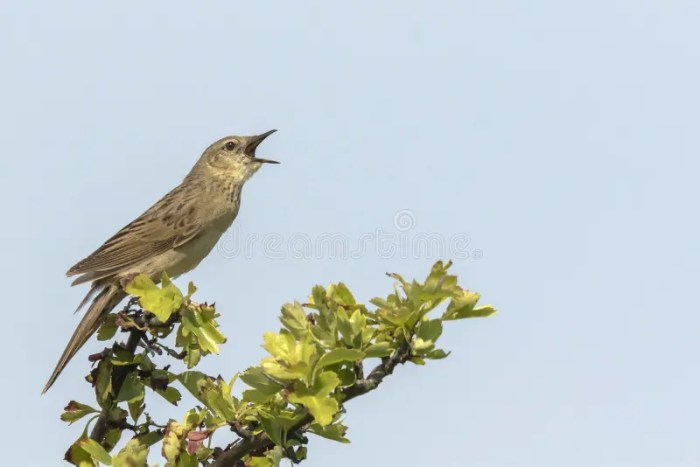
{"points": [[170, 223]]}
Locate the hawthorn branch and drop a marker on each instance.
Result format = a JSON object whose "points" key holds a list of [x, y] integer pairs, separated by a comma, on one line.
{"points": [[235, 452], [381, 371], [159, 348], [99, 431]]}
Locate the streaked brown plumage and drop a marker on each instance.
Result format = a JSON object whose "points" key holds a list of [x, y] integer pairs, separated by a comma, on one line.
{"points": [[172, 236]]}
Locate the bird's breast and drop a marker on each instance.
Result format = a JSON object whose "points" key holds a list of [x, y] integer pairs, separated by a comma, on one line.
{"points": [[194, 251], [188, 255]]}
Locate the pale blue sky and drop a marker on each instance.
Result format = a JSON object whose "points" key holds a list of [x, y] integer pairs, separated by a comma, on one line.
{"points": [[561, 137]]}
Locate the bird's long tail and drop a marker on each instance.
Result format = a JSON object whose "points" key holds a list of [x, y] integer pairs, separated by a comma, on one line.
{"points": [[108, 298]]}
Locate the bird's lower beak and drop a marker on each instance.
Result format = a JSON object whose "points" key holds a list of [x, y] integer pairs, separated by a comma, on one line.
{"points": [[254, 142], [265, 161]]}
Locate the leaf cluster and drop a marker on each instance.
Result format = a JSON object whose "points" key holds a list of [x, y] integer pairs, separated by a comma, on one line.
{"points": [[315, 363]]}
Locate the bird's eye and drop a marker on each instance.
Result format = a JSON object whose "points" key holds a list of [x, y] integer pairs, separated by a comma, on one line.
{"points": [[230, 146]]}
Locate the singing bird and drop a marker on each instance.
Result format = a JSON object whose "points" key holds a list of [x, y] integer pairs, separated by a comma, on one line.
{"points": [[172, 236]]}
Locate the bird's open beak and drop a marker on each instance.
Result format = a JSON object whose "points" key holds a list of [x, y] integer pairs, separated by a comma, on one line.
{"points": [[255, 142]]}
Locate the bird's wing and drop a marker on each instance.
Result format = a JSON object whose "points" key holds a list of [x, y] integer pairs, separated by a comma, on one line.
{"points": [[170, 223]]}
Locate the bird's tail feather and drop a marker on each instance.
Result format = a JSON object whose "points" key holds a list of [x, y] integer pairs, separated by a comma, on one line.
{"points": [[106, 300], [96, 287]]}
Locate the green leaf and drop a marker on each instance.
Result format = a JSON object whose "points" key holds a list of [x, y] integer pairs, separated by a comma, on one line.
{"points": [[145, 363], [112, 438], [325, 321], [133, 454], [378, 350], [256, 397], [132, 388], [275, 455], [95, 450], [162, 302], [335, 432], [294, 319], [437, 354], [342, 295], [256, 378], [438, 286], [173, 442], [191, 289], [108, 328], [159, 379], [187, 460], [300, 453], [397, 277], [258, 462], [219, 399], [347, 375], [117, 416], [193, 356], [429, 330], [170, 394], [380, 302], [76, 455], [199, 330], [277, 424], [317, 398], [151, 438], [291, 359], [463, 306], [398, 316], [195, 382], [482, 311], [103, 385], [136, 408], [275, 431], [318, 296], [264, 388], [337, 356], [174, 447], [211, 337], [75, 411], [272, 458], [354, 328], [215, 394], [421, 345], [194, 418]]}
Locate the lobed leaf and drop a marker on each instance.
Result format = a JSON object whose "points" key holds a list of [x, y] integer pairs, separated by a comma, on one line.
{"points": [[317, 398], [161, 301], [74, 411]]}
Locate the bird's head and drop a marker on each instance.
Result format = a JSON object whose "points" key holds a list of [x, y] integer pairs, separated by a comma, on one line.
{"points": [[233, 158]]}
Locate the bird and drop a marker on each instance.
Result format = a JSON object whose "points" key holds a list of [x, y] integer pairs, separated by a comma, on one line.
{"points": [[171, 237]]}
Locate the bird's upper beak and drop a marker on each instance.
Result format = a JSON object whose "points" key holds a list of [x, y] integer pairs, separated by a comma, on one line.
{"points": [[254, 142]]}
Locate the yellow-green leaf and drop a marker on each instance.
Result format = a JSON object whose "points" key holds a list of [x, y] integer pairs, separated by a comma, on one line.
{"points": [[338, 355], [173, 442], [95, 450], [294, 319], [335, 432], [464, 306], [291, 359], [258, 462], [133, 454], [75, 411], [162, 302], [317, 398], [343, 295]]}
